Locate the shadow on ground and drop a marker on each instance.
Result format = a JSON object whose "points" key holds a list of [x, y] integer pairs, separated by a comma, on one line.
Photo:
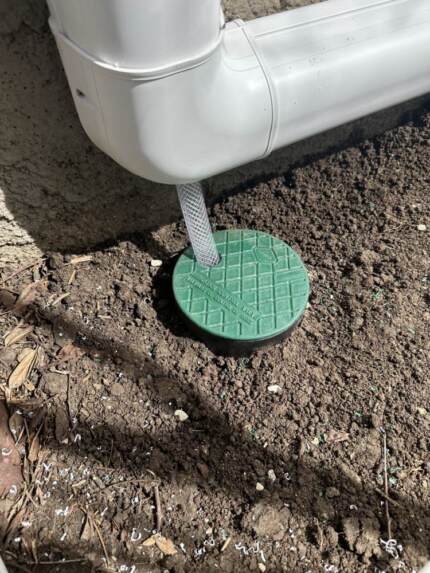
{"points": [[231, 458]]}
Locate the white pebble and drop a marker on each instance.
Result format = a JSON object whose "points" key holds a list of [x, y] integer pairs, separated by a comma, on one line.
{"points": [[181, 415], [259, 486], [156, 263], [422, 227], [271, 475], [274, 389]]}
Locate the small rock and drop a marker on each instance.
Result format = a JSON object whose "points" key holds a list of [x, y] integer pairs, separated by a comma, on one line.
{"points": [[116, 389], [54, 262], [266, 521], [259, 486], [55, 384], [362, 536], [353, 480], [368, 449], [331, 537], [274, 389], [124, 292], [8, 356], [144, 311], [332, 492], [368, 257], [271, 475], [422, 227], [156, 263], [60, 336], [181, 415], [262, 567], [351, 531], [376, 420], [422, 411], [204, 470]]}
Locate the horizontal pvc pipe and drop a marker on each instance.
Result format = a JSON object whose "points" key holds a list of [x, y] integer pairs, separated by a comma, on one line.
{"points": [[254, 87]]}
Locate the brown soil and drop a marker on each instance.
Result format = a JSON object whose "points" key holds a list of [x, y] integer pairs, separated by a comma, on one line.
{"points": [[103, 449]]}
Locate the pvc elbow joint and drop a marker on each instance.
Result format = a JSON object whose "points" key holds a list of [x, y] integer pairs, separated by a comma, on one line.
{"points": [[173, 98], [178, 123]]}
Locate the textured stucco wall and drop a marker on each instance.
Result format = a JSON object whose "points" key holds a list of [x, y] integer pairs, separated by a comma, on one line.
{"points": [[57, 191]]}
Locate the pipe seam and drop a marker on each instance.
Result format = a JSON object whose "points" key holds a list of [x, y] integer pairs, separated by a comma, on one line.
{"points": [[141, 74], [270, 86]]}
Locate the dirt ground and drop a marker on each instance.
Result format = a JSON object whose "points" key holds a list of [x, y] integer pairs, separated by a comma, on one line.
{"points": [[143, 451]]}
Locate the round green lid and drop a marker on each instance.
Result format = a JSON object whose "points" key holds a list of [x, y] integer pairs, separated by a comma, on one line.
{"points": [[259, 289]]}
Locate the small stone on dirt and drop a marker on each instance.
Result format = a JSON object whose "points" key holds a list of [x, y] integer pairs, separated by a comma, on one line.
{"points": [[274, 389], [362, 536], [54, 261], [271, 475], [204, 470], [261, 567], [332, 492], [259, 486], [156, 263], [266, 521], [351, 530], [55, 384], [422, 227], [369, 449], [116, 389], [181, 415]]}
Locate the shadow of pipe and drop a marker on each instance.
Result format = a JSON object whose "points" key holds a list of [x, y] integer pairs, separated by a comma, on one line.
{"points": [[233, 456]]}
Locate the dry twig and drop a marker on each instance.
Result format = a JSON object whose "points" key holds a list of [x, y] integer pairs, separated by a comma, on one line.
{"points": [[387, 508], [159, 516]]}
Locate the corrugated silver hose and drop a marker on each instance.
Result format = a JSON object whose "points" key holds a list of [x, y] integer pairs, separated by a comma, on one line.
{"points": [[196, 218]]}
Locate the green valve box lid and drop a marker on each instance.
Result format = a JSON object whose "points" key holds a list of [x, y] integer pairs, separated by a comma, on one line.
{"points": [[257, 293]]}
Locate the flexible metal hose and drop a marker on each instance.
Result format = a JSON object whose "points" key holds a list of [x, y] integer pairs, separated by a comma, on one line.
{"points": [[196, 218]]}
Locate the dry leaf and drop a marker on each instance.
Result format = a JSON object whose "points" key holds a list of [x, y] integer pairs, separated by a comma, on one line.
{"points": [[72, 277], [32, 404], [87, 531], [60, 298], [62, 426], [16, 424], [23, 370], [17, 334], [26, 296], [165, 545], [24, 352], [150, 541], [15, 523], [33, 454], [82, 259]]}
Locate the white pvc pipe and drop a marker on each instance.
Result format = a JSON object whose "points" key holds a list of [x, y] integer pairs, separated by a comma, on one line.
{"points": [[2, 566], [180, 108]]}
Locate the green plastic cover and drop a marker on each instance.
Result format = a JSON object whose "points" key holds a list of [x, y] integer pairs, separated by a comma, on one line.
{"points": [[259, 289]]}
